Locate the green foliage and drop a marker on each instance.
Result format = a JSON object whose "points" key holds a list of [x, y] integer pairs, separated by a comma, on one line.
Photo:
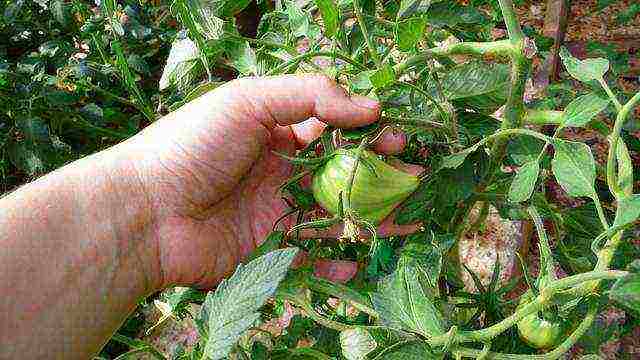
{"points": [[229, 311], [584, 70], [574, 168], [403, 304]]}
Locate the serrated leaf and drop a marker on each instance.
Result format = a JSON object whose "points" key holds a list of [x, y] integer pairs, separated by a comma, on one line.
{"points": [[584, 70], [625, 168], [330, 16], [574, 168], [232, 309], [524, 182], [403, 304], [409, 32], [383, 77], [628, 210], [626, 292], [356, 343], [181, 62], [581, 110]]}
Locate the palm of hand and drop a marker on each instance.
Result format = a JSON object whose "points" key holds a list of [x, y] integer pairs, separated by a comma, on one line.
{"points": [[214, 176]]}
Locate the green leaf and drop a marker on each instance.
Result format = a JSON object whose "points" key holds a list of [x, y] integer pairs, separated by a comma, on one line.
{"points": [[409, 7], [60, 12], [242, 57], [409, 32], [574, 168], [356, 343], [584, 70], [361, 81], [475, 78], [425, 253], [271, 243], [524, 182], [35, 153], [626, 293], [383, 77], [411, 350], [524, 149], [450, 14], [404, 305], [330, 16], [455, 160], [300, 22], [233, 308], [625, 168], [581, 110], [232, 7], [206, 17], [181, 63], [628, 210]]}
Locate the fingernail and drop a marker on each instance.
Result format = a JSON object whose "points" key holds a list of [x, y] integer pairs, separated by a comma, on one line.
{"points": [[364, 101]]}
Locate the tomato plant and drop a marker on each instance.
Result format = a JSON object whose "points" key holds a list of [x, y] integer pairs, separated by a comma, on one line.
{"points": [[76, 77]]}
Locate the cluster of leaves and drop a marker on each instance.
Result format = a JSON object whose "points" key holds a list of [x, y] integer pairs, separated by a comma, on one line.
{"points": [[76, 77]]}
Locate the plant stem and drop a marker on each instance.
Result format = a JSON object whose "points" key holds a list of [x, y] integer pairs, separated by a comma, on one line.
{"points": [[499, 49], [612, 96], [111, 95], [566, 345], [538, 304], [363, 27], [511, 21], [309, 55], [543, 117], [614, 137], [107, 132]]}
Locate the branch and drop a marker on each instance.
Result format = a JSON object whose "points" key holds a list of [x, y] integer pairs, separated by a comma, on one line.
{"points": [[497, 49], [543, 117], [511, 21]]}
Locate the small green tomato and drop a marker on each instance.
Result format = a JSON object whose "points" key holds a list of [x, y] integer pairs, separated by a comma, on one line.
{"points": [[374, 195], [538, 332]]}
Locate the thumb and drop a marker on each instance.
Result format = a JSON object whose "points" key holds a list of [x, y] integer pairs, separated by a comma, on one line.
{"points": [[290, 99]]}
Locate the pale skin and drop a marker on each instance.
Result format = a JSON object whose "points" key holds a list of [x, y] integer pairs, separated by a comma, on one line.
{"points": [[180, 203]]}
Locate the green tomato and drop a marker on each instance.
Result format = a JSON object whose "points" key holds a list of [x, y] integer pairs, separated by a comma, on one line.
{"points": [[537, 331], [377, 187]]}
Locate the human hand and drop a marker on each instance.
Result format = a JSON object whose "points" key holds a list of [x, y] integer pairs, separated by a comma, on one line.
{"points": [[210, 174]]}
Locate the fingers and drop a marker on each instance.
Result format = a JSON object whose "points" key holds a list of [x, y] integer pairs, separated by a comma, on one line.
{"points": [[391, 142], [307, 131], [290, 99]]}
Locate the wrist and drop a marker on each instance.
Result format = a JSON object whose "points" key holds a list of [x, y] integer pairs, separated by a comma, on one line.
{"points": [[118, 205]]}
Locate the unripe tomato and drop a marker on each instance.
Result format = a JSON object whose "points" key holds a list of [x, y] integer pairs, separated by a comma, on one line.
{"points": [[377, 188], [537, 331]]}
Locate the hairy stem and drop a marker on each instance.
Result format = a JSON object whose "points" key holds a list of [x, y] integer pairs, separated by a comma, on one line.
{"points": [[497, 49], [511, 21], [538, 304], [614, 138], [283, 67], [363, 27]]}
